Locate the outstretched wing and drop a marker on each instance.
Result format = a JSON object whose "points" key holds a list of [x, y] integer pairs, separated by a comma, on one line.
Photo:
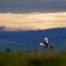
{"points": [[47, 46], [42, 44]]}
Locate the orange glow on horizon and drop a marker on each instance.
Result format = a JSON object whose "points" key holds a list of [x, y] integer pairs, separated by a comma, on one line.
{"points": [[33, 20]]}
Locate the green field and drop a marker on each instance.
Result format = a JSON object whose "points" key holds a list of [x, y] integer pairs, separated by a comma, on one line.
{"points": [[36, 58]]}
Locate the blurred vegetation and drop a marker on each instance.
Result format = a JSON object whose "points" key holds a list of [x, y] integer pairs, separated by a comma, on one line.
{"points": [[34, 58]]}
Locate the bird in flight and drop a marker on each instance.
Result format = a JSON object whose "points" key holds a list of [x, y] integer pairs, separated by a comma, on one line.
{"points": [[46, 43]]}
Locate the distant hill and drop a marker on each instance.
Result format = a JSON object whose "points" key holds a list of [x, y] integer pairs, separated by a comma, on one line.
{"points": [[23, 40]]}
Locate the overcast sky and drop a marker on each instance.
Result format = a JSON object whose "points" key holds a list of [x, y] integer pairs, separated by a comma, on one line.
{"points": [[32, 5], [32, 14]]}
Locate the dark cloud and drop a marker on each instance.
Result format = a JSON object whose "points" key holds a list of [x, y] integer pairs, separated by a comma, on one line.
{"points": [[32, 5]]}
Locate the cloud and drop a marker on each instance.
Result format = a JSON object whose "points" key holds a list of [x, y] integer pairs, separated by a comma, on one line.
{"points": [[32, 21], [32, 5], [10, 42]]}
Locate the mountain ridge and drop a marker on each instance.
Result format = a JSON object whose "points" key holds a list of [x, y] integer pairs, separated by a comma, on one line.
{"points": [[22, 40]]}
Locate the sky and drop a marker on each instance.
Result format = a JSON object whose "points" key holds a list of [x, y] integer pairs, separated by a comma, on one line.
{"points": [[32, 14]]}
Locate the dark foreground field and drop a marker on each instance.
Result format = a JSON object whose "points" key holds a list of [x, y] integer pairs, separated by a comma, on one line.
{"points": [[48, 58]]}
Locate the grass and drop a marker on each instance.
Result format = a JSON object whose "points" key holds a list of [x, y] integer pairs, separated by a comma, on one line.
{"points": [[48, 58]]}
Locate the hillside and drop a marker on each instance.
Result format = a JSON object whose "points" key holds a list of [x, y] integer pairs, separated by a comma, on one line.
{"points": [[18, 40]]}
